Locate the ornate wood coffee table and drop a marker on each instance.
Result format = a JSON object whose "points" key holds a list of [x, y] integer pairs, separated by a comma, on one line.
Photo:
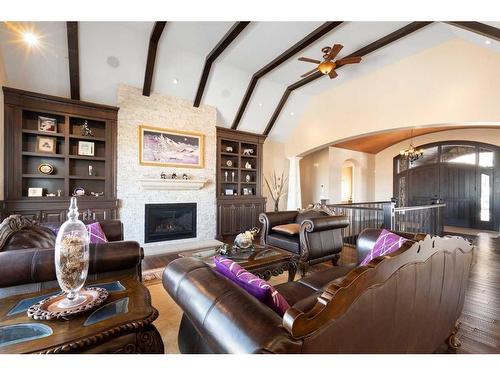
{"points": [[264, 260], [123, 324]]}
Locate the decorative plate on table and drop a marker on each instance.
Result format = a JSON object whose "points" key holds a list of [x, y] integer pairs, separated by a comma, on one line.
{"points": [[48, 309]]}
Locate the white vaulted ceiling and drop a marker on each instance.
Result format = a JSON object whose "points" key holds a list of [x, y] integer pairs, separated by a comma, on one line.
{"points": [[115, 52]]}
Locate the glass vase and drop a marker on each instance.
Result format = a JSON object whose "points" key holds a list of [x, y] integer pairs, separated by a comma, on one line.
{"points": [[72, 257]]}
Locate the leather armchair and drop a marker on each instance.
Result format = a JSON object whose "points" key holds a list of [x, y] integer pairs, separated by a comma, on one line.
{"points": [[27, 256], [319, 238], [378, 308]]}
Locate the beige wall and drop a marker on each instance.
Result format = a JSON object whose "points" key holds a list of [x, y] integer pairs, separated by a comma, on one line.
{"points": [[363, 174], [314, 171], [274, 162], [3, 81], [455, 82], [325, 167], [383, 160]]}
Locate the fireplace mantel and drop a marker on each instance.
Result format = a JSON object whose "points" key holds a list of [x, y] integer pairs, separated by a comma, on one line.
{"points": [[171, 184]]}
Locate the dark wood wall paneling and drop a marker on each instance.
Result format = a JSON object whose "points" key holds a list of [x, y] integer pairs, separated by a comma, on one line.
{"points": [[150, 62], [226, 40]]}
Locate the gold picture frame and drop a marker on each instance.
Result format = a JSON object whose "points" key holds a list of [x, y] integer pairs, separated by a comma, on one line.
{"points": [[171, 148]]}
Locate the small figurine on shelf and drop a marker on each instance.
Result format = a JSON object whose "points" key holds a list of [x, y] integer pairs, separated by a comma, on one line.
{"points": [[50, 195], [174, 176], [232, 176], [247, 151], [185, 176], [163, 176], [248, 178], [225, 175], [91, 170], [86, 131], [229, 149], [97, 194], [59, 192], [248, 165]]}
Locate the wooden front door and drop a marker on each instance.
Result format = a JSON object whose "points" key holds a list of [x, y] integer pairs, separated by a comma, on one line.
{"points": [[458, 188], [462, 174]]}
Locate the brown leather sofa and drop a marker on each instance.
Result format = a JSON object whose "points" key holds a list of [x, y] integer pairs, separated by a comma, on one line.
{"points": [[27, 256], [405, 302], [319, 238]]}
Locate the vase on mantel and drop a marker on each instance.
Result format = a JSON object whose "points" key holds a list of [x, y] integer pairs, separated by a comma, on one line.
{"points": [[72, 257]]}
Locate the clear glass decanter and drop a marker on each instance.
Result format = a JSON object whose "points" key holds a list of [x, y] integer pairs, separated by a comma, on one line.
{"points": [[72, 257]]}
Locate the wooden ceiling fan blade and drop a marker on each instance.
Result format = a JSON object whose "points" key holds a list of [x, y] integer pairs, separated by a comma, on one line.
{"points": [[334, 51], [309, 73], [333, 74], [307, 59], [348, 60]]}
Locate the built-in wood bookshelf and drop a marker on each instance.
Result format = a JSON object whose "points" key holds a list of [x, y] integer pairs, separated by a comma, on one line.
{"points": [[239, 181], [24, 155]]}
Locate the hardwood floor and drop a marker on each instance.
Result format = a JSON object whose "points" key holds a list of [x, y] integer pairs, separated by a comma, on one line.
{"points": [[480, 328], [480, 321]]}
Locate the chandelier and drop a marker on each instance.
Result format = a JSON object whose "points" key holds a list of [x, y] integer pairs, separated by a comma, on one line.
{"points": [[411, 153]]}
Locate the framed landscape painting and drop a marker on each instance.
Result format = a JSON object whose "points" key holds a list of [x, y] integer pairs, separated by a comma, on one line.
{"points": [[170, 148]]}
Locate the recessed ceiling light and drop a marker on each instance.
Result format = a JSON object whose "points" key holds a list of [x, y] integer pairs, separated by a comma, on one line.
{"points": [[113, 61], [30, 39], [487, 41], [175, 81], [292, 114]]}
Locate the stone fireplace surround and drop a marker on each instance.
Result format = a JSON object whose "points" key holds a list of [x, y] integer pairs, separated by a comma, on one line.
{"points": [[171, 113]]}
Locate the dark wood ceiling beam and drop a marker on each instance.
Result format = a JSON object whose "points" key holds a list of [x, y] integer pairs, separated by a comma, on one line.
{"points": [[150, 62], [73, 59], [290, 52], [379, 43], [226, 40], [478, 28]]}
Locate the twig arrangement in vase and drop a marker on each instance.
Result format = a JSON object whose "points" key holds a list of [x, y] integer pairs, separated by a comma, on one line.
{"points": [[277, 188]]}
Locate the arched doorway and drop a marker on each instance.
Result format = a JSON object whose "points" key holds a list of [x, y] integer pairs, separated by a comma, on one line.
{"points": [[461, 173]]}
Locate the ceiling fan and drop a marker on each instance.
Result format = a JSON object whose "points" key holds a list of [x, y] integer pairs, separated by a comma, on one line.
{"points": [[327, 66]]}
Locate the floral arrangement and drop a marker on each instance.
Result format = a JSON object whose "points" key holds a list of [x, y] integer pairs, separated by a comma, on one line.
{"points": [[277, 188]]}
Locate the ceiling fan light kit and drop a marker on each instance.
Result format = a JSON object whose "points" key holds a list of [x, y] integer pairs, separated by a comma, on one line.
{"points": [[327, 66]]}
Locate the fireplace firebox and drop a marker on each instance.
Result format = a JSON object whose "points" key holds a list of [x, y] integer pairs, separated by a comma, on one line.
{"points": [[173, 221]]}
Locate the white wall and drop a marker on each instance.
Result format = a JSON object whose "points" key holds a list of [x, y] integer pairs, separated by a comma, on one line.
{"points": [[3, 81], [325, 167], [274, 161], [171, 113], [384, 159], [436, 86]]}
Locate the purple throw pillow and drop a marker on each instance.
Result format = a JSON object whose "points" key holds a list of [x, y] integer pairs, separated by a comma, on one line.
{"points": [[255, 286], [387, 242], [96, 234]]}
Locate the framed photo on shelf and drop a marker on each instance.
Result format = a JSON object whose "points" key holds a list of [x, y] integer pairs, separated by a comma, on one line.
{"points": [[170, 148], [35, 192], [86, 148], [47, 124], [229, 192], [246, 191], [46, 145]]}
